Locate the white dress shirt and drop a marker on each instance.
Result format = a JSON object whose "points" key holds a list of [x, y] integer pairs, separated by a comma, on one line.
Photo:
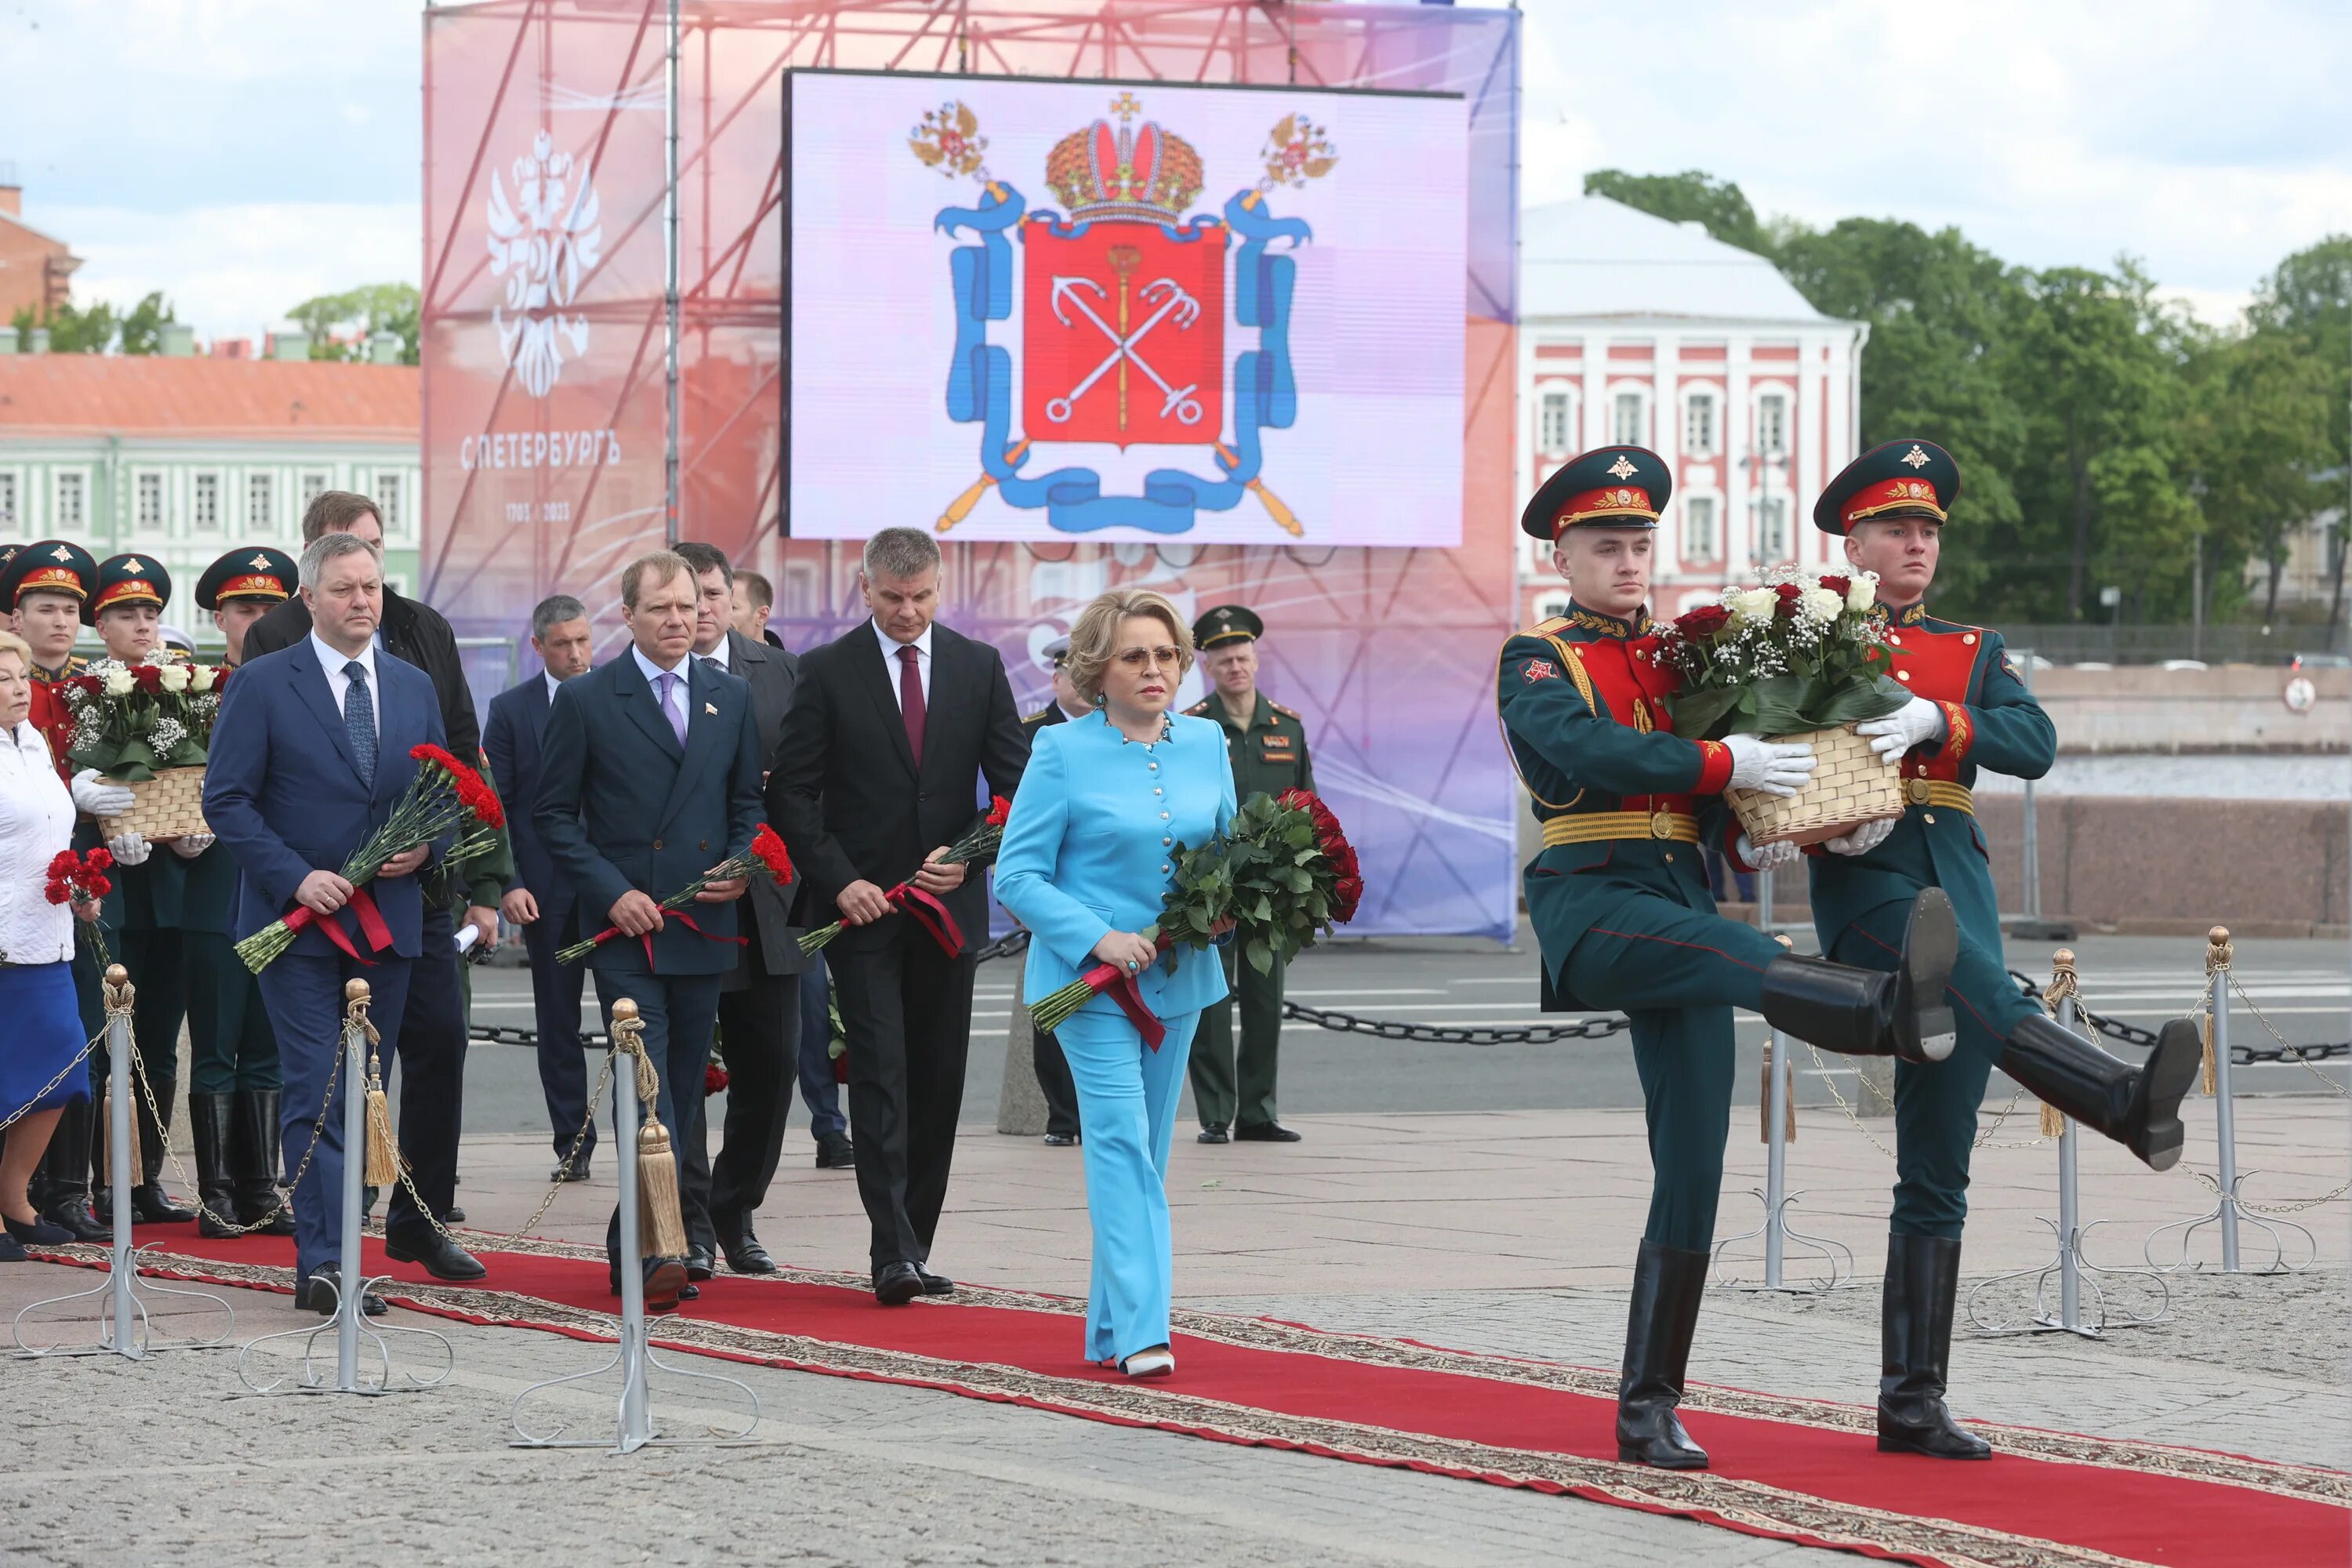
{"points": [[338, 684], [37, 820], [922, 647], [551, 684], [718, 656], [652, 673]]}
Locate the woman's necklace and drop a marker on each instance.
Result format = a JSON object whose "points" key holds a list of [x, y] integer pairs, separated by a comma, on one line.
{"points": [[1167, 728]]}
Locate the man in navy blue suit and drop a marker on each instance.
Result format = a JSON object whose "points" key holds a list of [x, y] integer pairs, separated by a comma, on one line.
{"points": [[666, 791], [541, 902], [310, 755]]}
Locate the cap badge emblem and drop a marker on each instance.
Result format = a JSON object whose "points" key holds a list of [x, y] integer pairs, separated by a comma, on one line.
{"points": [[259, 562], [61, 554], [1621, 468], [1915, 458], [133, 565]]}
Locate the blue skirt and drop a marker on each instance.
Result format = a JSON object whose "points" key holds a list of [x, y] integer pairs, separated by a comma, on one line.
{"points": [[43, 1037]]}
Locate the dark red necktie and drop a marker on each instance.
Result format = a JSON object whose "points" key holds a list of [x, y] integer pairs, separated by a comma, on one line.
{"points": [[910, 697]]}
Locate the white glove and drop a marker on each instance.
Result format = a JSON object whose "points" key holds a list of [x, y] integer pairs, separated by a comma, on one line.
{"points": [[1863, 840], [1915, 724], [1773, 857], [129, 848], [189, 845], [1769, 767], [93, 796]]}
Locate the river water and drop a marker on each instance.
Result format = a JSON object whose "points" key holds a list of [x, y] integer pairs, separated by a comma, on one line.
{"points": [[2289, 776]]}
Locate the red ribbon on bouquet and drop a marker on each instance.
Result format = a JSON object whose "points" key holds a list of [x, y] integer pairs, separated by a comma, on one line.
{"points": [[927, 912], [681, 917], [363, 909]]}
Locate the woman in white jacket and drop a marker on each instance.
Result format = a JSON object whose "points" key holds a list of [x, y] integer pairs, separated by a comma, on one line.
{"points": [[40, 1073]]}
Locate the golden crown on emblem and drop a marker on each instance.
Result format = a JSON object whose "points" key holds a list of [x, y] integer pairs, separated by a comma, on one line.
{"points": [[1141, 172]]}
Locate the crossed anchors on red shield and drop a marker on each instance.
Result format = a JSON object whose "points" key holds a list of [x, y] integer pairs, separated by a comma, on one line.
{"points": [[1124, 343]]}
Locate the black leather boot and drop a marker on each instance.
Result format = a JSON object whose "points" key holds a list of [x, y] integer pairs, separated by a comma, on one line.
{"points": [[1923, 1275], [66, 1167], [209, 1127], [1870, 1012], [150, 1204], [1667, 1285], [253, 1162], [2138, 1107]]}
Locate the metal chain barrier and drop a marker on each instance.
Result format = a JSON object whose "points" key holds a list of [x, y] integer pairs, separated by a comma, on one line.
{"points": [[1433, 1034], [285, 1202], [2302, 1056]]}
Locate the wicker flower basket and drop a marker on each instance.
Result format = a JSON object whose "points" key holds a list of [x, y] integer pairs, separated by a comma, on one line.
{"points": [[169, 805], [1849, 786]]}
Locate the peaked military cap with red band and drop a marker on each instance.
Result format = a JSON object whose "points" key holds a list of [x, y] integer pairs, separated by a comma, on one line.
{"points": [[1610, 487], [132, 579], [1909, 478], [47, 565], [248, 574]]}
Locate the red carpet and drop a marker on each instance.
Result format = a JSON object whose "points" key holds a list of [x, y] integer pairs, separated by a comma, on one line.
{"points": [[1790, 1469]]}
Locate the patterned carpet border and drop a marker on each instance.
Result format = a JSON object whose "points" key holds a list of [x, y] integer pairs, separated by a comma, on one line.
{"points": [[1747, 1507]]}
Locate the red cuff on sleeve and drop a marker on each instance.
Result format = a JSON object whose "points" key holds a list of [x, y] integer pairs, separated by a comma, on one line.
{"points": [[1714, 768], [1960, 732]]}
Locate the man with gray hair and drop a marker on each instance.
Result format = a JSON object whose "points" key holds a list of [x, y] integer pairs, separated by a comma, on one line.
{"points": [[898, 729], [540, 901]]}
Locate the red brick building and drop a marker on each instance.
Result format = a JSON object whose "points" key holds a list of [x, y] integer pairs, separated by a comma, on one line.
{"points": [[36, 270]]}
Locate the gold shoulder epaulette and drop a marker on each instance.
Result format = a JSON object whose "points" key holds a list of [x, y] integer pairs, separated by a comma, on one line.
{"points": [[1033, 717], [1546, 627], [1285, 713], [1199, 709]]}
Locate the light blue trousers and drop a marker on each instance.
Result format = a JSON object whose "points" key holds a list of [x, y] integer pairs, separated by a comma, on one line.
{"points": [[1127, 1104]]}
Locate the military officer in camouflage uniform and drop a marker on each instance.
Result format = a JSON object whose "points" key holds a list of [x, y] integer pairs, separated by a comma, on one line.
{"points": [[233, 1074], [1619, 902], [1234, 1092], [1969, 711]]}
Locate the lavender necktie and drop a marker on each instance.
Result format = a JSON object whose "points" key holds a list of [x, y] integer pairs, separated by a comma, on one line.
{"points": [[668, 680]]}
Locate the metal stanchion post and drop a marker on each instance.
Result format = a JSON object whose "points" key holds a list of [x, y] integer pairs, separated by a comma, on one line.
{"points": [[2225, 1125], [2070, 1221], [124, 1327], [1776, 1232]]}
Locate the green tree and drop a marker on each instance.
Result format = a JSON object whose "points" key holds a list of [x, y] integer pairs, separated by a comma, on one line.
{"points": [[2261, 437], [143, 325], [2308, 304], [83, 329], [357, 314], [1690, 197]]}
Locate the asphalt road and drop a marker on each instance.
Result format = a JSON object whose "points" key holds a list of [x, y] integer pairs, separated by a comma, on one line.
{"points": [[2303, 987]]}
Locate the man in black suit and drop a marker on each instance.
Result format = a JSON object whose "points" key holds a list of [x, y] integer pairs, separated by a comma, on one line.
{"points": [[759, 1001], [430, 1052], [649, 779], [541, 902], [893, 729]]}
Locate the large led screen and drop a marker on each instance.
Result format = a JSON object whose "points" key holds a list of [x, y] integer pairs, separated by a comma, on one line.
{"points": [[1047, 311]]}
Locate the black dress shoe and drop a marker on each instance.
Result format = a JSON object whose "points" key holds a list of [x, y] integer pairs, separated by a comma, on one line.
{"points": [[835, 1152], [1060, 1140], [454, 1216], [665, 1282], [442, 1258], [742, 1249], [934, 1284], [699, 1264], [324, 1290], [36, 1232], [896, 1284], [577, 1173], [151, 1204], [1214, 1133], [1265, 1132], [74, 1213]]}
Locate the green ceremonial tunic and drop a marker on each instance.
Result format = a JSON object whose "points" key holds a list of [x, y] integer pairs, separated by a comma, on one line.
{"points": [[1861, 902], [1618, 896], [1234, 1089]]}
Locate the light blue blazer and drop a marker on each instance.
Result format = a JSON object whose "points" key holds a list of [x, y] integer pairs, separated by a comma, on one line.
{"points": [[1090, 848]]}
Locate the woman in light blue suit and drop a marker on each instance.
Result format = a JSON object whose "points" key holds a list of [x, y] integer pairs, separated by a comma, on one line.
{"points": [[1089, 854]]}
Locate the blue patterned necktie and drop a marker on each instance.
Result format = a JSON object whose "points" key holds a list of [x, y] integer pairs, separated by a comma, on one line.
{"points": [[359, 718]]}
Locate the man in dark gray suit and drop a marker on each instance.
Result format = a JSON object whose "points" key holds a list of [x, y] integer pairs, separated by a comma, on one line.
{"points": [[759, 1001], [541, 901]]}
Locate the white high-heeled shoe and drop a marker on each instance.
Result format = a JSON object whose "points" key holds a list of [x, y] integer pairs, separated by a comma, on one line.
{"points": [[1157, 1362]]}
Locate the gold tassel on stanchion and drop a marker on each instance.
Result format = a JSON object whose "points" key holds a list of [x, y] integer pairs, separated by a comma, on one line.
{"points": [[661, 1222], [121, 996], [2064, 984], [1764, 1103], [2218, 954], [381, 1166]]}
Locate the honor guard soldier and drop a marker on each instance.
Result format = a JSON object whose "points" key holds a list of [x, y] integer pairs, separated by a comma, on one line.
{"points": [[43, 586], [1619, 902], [1234, 1091], [233, 1076], [1051, 1068], [1968, 709], [142, 915]]}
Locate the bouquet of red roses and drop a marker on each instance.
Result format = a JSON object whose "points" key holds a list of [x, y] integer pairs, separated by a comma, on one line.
{"points": [[766, 856], [83, 879], [446, 796], [982, 840]]}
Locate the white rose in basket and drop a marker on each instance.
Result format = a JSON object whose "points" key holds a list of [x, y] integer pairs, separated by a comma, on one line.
{"points": [[1751, 606], [201, 679], [1822, 606], [173, 678], [1861, 590], [119, 681]]}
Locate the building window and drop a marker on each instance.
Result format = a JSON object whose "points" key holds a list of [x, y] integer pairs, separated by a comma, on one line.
{"points": [[70, 511], [205, 505], [7, 504], [1772, 424], [1698, 426], [387, 500], [1700, 542], [1552, 424], [1772, 530], [314, 485], [148, 502], [1626, 427], [258, 489], [1551, 609]]}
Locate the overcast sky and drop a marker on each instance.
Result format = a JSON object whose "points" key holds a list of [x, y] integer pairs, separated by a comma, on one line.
{"points": [[244, 154]]}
